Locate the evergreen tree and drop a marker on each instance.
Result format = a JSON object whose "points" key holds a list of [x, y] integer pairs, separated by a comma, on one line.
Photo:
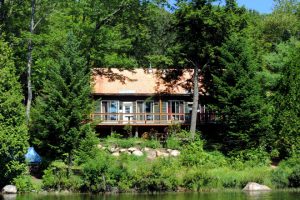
{"points": [[61, 114], [287, 107], [13, 131], [240, 98], [201, 29]]}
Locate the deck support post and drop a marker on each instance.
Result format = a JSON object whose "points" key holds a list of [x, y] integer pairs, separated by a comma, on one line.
{"points": [[136, 132], [111, 130]]}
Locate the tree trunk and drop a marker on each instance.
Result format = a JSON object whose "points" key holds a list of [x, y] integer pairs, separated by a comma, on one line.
{"points": [[69, 164], [29, 63], [195, 103]]}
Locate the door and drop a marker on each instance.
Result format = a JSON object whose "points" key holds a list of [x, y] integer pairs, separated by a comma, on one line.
{"points": [[127, 112]]}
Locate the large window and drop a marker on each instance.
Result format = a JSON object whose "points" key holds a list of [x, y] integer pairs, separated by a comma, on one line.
{"points": [[144, 110], [110, 107], [176, 110]]}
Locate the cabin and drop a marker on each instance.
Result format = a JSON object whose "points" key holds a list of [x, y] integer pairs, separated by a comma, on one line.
{"points": [[144, 99]]}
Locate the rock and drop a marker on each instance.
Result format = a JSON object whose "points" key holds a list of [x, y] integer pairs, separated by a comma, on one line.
{"points": [[137, 153], [161, 154], [151, 154], [146, 149], [99, 146], [116, 154], [9, 189], [123, 150], [113, 149], [174, 153], [169, 150], [9, 196], [251, 186], [132, 149]]}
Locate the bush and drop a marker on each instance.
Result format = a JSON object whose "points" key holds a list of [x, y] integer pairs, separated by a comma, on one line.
{"points": [[56, 177], [198, 178], [103, 173], [173, 143], [249, 158], [294, 177], [24, 183], [193, 154], [151, 144], [157, 176], [87, 148], [279, 178], [287, 173]]}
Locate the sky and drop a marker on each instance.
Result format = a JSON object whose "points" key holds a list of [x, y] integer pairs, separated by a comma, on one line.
{"points": [[262, 6]]}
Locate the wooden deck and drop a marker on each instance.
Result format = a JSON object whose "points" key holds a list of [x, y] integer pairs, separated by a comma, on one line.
{"points": [[150, 119]]}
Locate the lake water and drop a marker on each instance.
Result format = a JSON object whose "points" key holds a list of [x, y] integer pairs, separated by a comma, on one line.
{"points": [[168, 196]]}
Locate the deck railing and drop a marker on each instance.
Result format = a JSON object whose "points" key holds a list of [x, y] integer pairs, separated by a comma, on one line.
{"points": [[151, 118]]}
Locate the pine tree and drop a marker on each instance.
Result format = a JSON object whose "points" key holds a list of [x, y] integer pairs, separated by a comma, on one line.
{"points": [[13, 130], [61, 113], [287, 107], [240, 99]]}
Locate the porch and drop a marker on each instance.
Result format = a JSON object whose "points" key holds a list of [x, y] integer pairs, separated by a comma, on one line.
{"points": [[150, 119]]}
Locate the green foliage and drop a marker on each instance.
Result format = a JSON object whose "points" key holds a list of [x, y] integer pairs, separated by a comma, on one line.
{"points": [[101, 173], [26, 183], [56, 177], [178, 137], [173, 143], [249, 158], [157, 176], [279, 178], [60, 119], [294, 177], [240, 100], [194, 155], [87, 148], [13, 131], [130, 142], [287, 107], [233, 178], [287, 173]]}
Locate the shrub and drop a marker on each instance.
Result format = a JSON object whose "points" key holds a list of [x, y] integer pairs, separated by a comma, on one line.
{"points": [[198, 178], [87, 148], [279, 178], [294, 177], [24, 183], [193, 154], [103, 173], [56, 177], [173, 143], [157, 176], [151, 144], [249, 158]]}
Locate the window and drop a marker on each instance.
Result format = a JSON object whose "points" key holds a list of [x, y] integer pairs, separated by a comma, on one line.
{"points": [[144, 108], [148, 106], [176, 108], [110, 107]]}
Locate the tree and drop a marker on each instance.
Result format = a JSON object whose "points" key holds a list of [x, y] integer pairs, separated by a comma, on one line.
{"points": [[61, 117], [240, 98], [201, 29], [13, 131], [286, 99]]}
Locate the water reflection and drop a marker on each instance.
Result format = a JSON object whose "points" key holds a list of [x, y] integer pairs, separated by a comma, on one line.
{"points": [[166, 196]]}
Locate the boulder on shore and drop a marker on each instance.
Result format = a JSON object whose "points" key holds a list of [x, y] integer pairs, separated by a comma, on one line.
{"points": [[137, 153], [9, 189], [251, 186], [175, 153]]}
